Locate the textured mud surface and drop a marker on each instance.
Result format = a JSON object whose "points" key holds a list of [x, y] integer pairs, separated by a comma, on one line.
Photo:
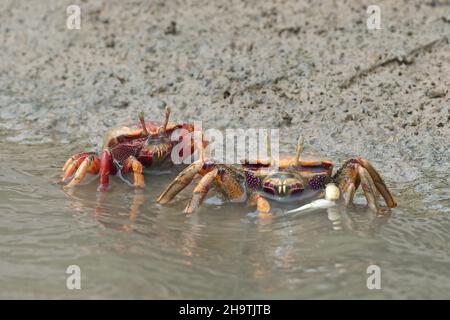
{"points": [[308, 67], [258, 64]]}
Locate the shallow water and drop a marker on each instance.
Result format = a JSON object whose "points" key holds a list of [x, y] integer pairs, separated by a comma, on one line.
{"points": [[129, 247]]}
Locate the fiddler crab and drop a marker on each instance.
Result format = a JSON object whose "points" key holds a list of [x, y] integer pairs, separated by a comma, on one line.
{"points": [[127, 149], [287, 180]]}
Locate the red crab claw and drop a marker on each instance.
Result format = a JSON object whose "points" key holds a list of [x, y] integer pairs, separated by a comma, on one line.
{"points": [[73, 163], [90, 164]]}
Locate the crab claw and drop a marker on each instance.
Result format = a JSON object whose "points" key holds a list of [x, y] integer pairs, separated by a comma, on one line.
{"points": [[332, 194], [316, 204]]}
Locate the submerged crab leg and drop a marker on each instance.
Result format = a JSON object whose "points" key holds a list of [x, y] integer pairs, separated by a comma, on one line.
{"points": [[180, 182], [133, 164], [262, 205], [200, 191], [90, 164]]}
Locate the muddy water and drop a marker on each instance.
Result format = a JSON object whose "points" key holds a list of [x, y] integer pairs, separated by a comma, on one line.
{"points": [[129, 247]]}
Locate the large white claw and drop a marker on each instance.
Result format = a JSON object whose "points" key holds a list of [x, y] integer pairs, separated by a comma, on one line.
{"points": [[331, 195], [316, 204]]}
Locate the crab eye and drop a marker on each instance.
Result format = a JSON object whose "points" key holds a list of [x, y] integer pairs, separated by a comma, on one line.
{"points": [[296, 189], [269, 188], [208, 165]]}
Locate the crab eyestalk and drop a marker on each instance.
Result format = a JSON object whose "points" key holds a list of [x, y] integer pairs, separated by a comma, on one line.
{"points": [[142, 120], [202, 148], [163, 128], [268, 147], [300, 146]]}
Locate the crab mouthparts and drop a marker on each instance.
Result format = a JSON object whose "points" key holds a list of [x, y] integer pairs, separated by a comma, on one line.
{"points": [[282, 187]]}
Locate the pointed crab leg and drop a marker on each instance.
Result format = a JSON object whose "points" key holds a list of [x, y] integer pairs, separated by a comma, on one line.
{"points": [[133, 164], [378, 182], [180, 182], [348, 180], [200, 191], [359, 171], [370, 191], [90, 164], [106, 166], [69, 163], [73, 163]]}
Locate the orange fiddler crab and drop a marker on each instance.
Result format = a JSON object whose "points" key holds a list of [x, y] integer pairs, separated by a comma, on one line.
{"points": [[127, 149], [288, 179]]}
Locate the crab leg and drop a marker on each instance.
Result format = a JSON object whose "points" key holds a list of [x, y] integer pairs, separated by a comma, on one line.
{"points": [[223, 177], [133, 164], [73, 163], [180, 182], [105, 169], [200, 191], [348, 180], [262, 205], [359, 171], [90, 164], [370, 191], [378, 182]]}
